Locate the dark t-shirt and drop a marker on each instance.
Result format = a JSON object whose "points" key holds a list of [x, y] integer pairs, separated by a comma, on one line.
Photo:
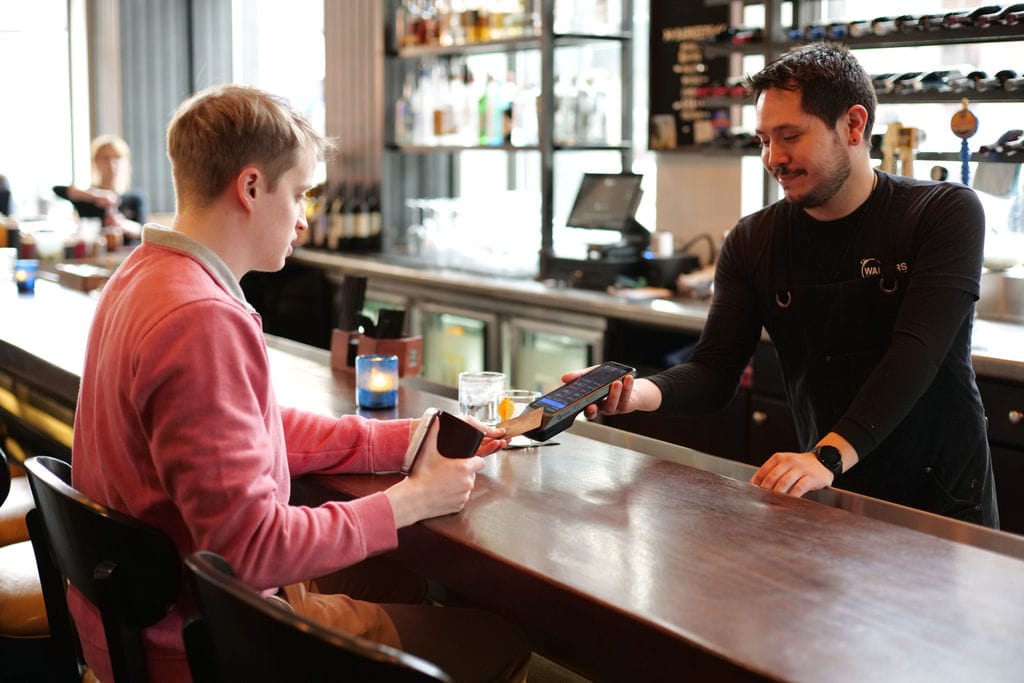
{"points": [[938, 236]]}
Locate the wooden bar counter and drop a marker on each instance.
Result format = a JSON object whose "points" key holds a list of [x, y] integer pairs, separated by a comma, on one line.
{"points": [[629, 567]]}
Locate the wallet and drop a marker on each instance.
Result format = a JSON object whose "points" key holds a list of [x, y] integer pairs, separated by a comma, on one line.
{"points": [[456, 438]]}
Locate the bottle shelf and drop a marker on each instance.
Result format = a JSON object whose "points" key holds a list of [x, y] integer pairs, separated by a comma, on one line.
{"points": [[451, 149], [919, 156], [926, 97], [507, 45], [991, 34]]}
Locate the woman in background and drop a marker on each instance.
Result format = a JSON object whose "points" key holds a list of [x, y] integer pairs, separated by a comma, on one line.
{"points": [[110, 198]]}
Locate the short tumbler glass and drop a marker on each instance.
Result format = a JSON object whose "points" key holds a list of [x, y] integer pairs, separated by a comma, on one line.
{"points": [[517, 400], [479, 395]]}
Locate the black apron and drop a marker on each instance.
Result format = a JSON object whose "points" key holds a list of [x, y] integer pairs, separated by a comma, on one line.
{"points": [[829, 339]]}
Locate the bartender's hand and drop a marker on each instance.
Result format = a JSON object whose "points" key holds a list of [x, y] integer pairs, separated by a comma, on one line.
{"points": [[792, 473], [624, 396], [800, 473], [437, 485]]}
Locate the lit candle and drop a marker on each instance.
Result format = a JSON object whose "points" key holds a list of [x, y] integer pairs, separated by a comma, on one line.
{"points": [[376, 381], [380, 381], [25, 275]]}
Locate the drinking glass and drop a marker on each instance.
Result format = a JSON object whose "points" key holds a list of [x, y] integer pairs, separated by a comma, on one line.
{"points": [[512, 405], [479, 395]]}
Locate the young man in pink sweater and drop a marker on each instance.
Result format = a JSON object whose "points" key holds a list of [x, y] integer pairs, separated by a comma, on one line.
{"points": [[177, 423]]}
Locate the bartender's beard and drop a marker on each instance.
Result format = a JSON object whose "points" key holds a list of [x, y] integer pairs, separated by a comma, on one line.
{"points": [[834, 175]]}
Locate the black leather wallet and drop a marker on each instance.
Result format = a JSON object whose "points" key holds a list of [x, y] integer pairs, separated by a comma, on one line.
{"points": [[456, 438]]}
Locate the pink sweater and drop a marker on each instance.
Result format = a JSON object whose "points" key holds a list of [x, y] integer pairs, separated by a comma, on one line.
{"points": [[177, 425]]}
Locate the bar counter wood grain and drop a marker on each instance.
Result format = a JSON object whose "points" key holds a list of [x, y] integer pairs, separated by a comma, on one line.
{"points": [[627, 567]]}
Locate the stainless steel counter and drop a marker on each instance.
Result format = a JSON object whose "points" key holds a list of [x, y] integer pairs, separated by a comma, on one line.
{"points": [[998, 346]]}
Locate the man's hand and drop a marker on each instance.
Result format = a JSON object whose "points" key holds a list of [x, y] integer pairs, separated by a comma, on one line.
{"points": [[494, 438], [792, 473], [437, 485]]}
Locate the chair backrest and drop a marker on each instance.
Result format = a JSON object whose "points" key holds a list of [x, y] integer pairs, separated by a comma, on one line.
{"points": [[5, 476], [130, 571], [253, 639]]}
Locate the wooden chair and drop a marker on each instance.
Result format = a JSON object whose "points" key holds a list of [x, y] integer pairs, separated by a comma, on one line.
{"points": [[24, 630], [254, 640], [130, 571]]}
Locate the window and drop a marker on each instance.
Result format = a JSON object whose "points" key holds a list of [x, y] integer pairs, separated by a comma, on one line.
{"points": [[36, 114], [279, 47]]}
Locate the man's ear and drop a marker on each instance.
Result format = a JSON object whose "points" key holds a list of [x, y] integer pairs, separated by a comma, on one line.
{"points": [[856, 121], [247, 186]]}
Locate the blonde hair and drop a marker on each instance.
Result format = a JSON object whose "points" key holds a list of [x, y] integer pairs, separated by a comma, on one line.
{"points": [[219, 131], [123, 180]]}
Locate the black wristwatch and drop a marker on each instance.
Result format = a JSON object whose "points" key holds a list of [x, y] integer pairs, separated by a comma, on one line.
{"points": [[830, 457]]}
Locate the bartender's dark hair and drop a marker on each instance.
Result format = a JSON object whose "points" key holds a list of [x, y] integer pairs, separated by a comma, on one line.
{"points": [[221, 130], [829, 77]]}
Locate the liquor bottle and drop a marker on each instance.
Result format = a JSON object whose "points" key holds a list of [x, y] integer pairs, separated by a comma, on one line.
{"points": [[484, 112], [507, 97], [423, 105], [407, 22], [405, 116], [564, 132], [469, 119], [525, 116]]}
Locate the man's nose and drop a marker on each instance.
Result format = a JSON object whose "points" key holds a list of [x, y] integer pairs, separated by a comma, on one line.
{"points": [[775, 156]]}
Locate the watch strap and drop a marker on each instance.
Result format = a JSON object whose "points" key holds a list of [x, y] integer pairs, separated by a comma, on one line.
{"points": [[830, 458]]}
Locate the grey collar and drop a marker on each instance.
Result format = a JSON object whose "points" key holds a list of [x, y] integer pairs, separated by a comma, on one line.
{"points": [[179, 241]]}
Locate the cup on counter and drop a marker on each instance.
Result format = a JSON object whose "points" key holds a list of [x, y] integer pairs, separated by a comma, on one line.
{"points": [[8, 256], [376, 381], [25, 271], [512, 405], [479, 395]]}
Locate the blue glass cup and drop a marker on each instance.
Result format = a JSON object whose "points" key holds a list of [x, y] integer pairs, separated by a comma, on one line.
{"points": [[25, 271], [376, 381]]}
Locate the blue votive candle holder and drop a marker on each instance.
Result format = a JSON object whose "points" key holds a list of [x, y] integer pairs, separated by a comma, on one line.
{"points": [[376, 381], [25, 271]]}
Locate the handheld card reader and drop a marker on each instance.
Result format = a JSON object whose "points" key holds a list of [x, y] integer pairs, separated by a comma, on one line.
{"points": [[562, 405]]}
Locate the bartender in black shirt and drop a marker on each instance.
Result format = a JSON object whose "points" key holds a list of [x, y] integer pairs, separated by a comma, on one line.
{"points": [[866, 283]]}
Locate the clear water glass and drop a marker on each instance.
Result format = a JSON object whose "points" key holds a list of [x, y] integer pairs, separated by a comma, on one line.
{"points": [[479, 395]]}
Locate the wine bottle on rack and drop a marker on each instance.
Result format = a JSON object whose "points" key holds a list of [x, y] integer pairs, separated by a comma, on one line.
{"points": [[362, 213], [348, 218], [335, 224], [375, 215]]}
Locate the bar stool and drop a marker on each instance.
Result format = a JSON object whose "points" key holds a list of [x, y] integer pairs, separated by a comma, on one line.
{"points": [[130, 571], [24, 629], [245, 637]]}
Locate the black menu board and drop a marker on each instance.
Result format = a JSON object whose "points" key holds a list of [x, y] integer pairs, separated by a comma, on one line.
{"points": [[678, 67]]}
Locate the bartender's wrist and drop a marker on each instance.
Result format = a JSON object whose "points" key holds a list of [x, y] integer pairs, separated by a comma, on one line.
{"points": [[649, 395], [846, 450]]}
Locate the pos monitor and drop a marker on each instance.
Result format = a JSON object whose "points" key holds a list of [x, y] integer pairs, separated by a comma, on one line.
{"points": [[606, 201]]}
